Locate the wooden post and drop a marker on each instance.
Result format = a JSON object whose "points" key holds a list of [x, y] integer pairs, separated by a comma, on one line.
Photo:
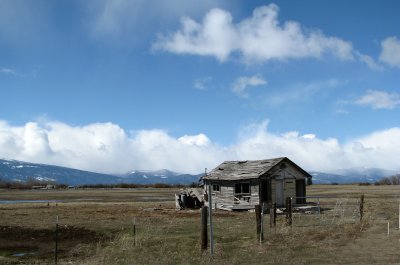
{"points": [[210, 221], [56, 242], [291, 211], [134, 231], [288, 211], [272, 212], [361, 207], [257, 209], [262, 224], [271, 215], [388, 229], [204, 239]]}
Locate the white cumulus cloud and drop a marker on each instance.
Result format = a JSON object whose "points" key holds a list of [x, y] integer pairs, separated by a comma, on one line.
{"points": [[243, 83], [199, 140], [390, 53], [258, 38], [106, 147], [379, 99], [378, 149]]}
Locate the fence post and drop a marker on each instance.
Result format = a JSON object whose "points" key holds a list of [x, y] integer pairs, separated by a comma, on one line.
{"points": [[210, 221], [274, 214], [262, 224], [361, 207], [257, 209], [134, 231], [388, 229], [204, 239], [271, 215], [288, 211], [56, 243]]}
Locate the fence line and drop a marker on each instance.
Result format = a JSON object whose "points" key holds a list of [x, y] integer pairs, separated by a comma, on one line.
{"points": [[322, 210]]}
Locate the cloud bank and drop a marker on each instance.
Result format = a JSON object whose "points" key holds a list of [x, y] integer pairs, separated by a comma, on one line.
{"points": [[259, 38], [106, 147]]}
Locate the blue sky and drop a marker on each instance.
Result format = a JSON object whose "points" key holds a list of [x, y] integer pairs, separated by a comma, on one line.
{"points": [[112, 86]]}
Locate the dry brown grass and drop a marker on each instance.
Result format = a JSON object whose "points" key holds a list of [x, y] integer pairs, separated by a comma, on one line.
{"points": [[167, 236]]}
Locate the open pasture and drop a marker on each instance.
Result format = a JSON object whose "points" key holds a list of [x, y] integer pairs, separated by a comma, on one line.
{"points": [[142, 226]]}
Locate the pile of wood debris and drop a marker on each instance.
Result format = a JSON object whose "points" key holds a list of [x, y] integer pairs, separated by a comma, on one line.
{"points": [[188, 199]]}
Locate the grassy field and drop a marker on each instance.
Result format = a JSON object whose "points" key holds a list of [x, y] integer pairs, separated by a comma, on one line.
{"points": [[96, 227]]}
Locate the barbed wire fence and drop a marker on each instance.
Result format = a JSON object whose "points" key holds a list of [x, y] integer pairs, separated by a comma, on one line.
{"points": [[326, 210]]}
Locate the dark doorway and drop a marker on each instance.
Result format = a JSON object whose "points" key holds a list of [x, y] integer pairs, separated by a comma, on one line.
{"points": [[300, 191], [266, 194]]}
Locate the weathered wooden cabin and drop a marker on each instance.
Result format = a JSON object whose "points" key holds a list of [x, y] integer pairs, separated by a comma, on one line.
{"points": [[240, 185]]}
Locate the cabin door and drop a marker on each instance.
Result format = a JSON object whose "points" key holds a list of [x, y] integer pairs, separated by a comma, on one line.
{"points": [[300, 191], [279, 192], [265, 191]]}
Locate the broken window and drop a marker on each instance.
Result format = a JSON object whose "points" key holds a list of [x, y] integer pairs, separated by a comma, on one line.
{"points": [[242, 188], [215, 187]]}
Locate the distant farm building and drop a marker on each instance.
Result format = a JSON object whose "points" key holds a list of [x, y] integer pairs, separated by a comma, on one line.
{"points": [[240, 185]]}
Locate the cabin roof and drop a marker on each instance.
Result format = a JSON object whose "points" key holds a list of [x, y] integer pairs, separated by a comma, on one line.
{"points": [[248, 169]]}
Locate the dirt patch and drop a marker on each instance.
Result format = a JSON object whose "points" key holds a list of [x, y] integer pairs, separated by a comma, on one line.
{"points": [[26, 243]]}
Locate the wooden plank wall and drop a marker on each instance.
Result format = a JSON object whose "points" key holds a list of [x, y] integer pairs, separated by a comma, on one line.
{"points": [[226, 195], [227, 188]]}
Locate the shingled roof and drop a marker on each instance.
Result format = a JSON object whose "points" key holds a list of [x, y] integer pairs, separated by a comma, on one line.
{"points": [[248, 169]]}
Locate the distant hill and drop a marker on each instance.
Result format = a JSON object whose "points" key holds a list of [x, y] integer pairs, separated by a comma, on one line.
{"points": [[160, 176], [351, 175], [18, 171]]}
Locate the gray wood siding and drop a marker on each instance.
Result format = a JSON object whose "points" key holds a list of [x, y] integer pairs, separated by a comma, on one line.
{"points": [[227, 197]]}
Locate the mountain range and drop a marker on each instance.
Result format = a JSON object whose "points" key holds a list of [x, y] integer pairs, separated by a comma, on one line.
{"points": [[352, 175], [18, 171]]}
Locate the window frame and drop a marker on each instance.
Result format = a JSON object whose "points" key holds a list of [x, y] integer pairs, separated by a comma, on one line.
{"points": [[214, 186], [242, 188]]}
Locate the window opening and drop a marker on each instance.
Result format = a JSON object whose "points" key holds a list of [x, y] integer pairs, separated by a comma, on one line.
{"points": [[216, 187], [242, 188]]}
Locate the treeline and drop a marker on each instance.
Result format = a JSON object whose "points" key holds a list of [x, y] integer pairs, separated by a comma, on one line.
{"points": [[393, 180], [134, 186], [28, 184], [33, 183]]}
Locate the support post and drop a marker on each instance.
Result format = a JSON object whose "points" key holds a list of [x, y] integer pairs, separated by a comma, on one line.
{"points": [[204, 239], [210, 221]]}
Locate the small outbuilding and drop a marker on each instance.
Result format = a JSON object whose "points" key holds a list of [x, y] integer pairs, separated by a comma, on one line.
{"points": [[240, 185]]}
